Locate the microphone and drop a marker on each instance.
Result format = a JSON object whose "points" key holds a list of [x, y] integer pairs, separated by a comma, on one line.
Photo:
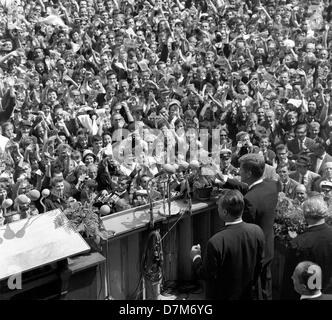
{"points": [[104, 210], [167, 169], [6, 204], [46, 193], [183, 165], [34, 194], [194, 164]]}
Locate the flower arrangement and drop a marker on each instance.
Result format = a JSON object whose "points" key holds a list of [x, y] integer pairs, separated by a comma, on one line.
{"points": [[84, 218], [289, 220]]}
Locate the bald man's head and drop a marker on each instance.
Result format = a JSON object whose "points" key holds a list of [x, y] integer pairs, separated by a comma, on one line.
{"points": [[307, 278], [301, 192]]}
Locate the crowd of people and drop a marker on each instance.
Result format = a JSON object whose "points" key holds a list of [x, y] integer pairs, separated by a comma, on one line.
{"points": [[99, 97]]}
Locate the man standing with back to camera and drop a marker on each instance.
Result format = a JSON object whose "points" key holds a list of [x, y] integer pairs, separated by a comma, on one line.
{"points": [[233, 257], [261, 196]]}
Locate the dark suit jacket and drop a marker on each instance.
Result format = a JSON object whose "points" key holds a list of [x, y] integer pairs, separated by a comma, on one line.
{"points": [[276, 136], [294, 145], [232, 262], [7, 105], [327, 158], [312, 179], [315, 245], [290, 188], [260, 204]]}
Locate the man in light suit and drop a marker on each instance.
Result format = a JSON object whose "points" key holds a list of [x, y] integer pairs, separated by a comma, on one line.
{"points": [[319, 157], [285, 183], [301, 143], [303, 175]]}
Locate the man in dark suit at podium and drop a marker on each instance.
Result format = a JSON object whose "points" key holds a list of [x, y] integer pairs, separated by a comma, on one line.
{"points": [[233, 258], [307, 280], [261, 198]]}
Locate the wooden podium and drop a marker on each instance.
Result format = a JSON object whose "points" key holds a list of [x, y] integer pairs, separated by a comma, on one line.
{"points": [[46, 259]]}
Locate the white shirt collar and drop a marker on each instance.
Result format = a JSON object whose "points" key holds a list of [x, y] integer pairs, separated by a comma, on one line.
{"points": [[316, 224], [234, 222], [256, 182], [304, 296]]}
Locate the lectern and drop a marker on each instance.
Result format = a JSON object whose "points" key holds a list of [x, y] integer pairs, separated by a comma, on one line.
{"points": [[42, 257]]}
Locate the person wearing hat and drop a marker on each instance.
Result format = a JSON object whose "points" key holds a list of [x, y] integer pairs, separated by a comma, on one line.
{"points": [[326, 188], [303, 175], [315, 244], [326, 176], [25, 127], [225, 164], [88, 157]]}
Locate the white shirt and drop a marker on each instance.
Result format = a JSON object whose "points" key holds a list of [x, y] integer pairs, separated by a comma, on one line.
{"points": [[316, 224], [255, 183], [304, 296], [234, 222], [3, 142]]}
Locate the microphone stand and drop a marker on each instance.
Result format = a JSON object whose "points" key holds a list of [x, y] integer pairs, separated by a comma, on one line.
{"points": [[188, 191], [168, 184], [150, 205]]}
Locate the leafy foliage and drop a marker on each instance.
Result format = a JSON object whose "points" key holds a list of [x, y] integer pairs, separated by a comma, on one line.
{"points": [[289, 220], [84, 219]]}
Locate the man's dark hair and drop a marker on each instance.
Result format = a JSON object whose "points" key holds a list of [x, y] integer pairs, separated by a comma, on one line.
{"points": [[281, 147], [301, 126], [56, 180], [232, 201], [282, 165], [253, 163]]}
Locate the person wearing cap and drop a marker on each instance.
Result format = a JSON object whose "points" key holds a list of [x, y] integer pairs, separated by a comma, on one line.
{"points": [[303, 175], [225, 164], [88, 157], [315, 244], [326, 176]]}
